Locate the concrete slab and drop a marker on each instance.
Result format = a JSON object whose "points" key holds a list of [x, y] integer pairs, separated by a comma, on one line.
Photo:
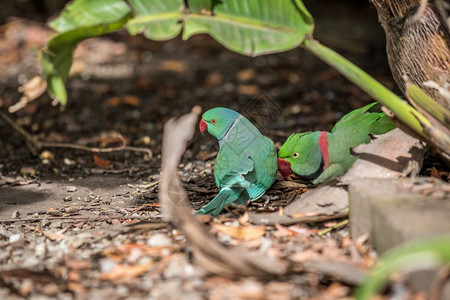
{"points": [[393, 211]]}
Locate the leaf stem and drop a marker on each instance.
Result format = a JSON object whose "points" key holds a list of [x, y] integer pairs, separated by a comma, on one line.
{"points": [[403, 111]]}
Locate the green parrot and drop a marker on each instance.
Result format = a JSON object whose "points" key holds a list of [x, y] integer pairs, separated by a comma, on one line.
{"points": [[246, 165], [323, 156]]}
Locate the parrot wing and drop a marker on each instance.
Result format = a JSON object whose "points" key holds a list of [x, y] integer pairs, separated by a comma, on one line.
{"points": [[368, 119], [266, 166], [230, 168]]}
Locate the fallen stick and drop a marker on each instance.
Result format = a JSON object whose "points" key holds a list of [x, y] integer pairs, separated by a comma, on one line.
{"points": [[38, 145], [75, 219]]}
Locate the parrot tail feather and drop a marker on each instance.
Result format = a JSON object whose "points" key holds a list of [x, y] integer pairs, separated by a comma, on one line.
{"points": [[225, 197]]}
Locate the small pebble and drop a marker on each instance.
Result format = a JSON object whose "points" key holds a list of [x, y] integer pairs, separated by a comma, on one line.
{"points": [[71, 188], [67, 198], [53, 212], [15, 215], [438, 194], [15, 238], [445, 187], [159, 240], [69, 162], [422, 187]]}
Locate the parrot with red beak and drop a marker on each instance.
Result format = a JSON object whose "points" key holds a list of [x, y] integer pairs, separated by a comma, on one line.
{"points": [[246, 164], [322, 156]]}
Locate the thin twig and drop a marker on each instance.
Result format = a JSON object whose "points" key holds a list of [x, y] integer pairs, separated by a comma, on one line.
{"points": [[75, 219], [39, 145], [139, 208], [98, 150], [22, 131], [338, 225], [439, 281]]}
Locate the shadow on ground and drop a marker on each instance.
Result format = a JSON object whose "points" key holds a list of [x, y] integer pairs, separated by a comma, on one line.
{"points": [[50, 193]]}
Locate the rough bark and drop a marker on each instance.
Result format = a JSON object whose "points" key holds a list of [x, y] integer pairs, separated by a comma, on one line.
{"points": [[418, 44]]}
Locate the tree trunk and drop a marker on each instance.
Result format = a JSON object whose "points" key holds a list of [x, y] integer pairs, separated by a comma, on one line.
{"points": [[418, 44]]}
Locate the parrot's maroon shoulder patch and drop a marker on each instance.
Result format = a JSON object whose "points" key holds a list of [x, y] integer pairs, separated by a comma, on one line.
{"points": [[323, 146]]}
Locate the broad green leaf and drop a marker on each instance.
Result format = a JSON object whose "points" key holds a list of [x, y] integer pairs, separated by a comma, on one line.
{"points": [[253, 27], [86, 13], [58, 54], [156, 19], [250, 27], [414, 255], [196, 6]]}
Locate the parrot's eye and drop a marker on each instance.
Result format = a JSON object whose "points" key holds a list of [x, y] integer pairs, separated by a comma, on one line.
{"points": [[213, 121], [295, 155]]}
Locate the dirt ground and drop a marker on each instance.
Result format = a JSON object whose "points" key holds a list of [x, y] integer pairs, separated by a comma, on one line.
{"points": [[79, 224]]}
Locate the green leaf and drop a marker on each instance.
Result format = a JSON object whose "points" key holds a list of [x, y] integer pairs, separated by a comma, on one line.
{"points": [[86, 13], [196, 6], [58, 54], [254, 27], [248, 27], [402, 110], [411, 256], [156, 19]]}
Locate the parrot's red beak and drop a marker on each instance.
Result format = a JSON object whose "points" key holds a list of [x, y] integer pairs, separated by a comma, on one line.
{"points": [[202, 126], [285, 168]]}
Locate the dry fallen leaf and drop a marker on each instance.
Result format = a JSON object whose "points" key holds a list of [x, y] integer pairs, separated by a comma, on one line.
{"points": [[435, 173], [125, 273], [212, 79], [101, 162], [75, 287], [31, 90], [243, 220], [113, 101], [243, 233], [248, 90], [245, 75], [131, 100], [78, 264], [173, 65], [127, 100], [54, 236], [283, 231], [304, 256], [336, 291]]}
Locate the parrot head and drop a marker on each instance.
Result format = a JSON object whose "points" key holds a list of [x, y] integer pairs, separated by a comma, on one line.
{"points": [[301, 155], [218, 121]]}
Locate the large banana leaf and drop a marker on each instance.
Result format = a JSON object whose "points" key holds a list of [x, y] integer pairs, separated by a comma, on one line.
{"points": [[86, 13], [80, 20], [250, 27], [253, 27], [156, 19]]}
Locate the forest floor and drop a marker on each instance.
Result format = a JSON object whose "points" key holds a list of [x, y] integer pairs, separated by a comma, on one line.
{"points": [[73, 222]]}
